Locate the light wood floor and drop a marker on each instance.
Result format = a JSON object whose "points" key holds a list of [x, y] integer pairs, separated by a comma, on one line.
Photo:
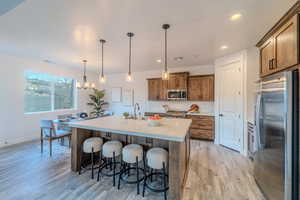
{"points": [[216, 173]]}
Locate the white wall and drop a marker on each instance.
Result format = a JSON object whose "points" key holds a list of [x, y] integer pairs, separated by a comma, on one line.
{"points": [[15, 126], [252, 77], [140, 87]]}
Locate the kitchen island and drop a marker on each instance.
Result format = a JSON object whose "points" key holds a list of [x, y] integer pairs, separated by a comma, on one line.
{"points": [[172, 134]]}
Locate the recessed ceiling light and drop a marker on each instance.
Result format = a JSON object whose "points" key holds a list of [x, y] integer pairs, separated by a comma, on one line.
{"points": [[178, 58], [158, 60], [235, 16], [224, 47]]}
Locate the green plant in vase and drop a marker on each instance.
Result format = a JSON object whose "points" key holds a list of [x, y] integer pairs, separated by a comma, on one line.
{"points": [[126, 115], [97, 102]]}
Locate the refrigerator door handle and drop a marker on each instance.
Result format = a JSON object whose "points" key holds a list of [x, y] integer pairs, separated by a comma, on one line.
{"points": [[257, 123]]}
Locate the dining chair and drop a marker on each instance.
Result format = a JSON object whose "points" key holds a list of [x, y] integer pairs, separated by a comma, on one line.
{"points": [[63, 126], [50, 133]]}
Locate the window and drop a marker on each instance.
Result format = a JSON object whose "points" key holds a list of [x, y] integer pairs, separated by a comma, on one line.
{"points": [[44, 92]]}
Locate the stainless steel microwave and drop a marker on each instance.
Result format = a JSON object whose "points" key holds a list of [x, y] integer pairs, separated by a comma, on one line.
{"points": [[177, 95]]}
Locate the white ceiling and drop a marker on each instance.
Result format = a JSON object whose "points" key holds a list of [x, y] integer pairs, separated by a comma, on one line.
{"points": [[67, 31]]}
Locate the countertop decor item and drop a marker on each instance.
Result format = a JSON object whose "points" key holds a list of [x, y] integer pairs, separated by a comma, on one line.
{"points": [[166, 107], [154, 121], [97, 102], [125, 115], [194, 108]]}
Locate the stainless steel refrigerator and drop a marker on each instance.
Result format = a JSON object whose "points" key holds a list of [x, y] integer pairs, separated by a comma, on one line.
{"points": [[276, 160]]}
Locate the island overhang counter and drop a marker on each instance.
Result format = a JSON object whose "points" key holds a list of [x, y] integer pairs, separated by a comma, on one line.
{"points": [[172, 134]]}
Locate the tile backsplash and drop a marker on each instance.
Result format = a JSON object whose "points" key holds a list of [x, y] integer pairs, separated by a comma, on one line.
{"points": [[156, 106]]}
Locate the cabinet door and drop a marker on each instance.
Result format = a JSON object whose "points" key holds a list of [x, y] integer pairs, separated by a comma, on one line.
{"points": [[267, 58], [178, 81], [193, 89], [206, 86], [163, 90], [154, 86], [286, 45], [201, 88]]}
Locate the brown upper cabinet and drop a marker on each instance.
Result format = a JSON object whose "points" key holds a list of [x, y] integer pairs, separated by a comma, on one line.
{"points": [[153, 93], [279, 48], [178, 81], [201, 88], [267, 57], [286, 44], [157, 89]]}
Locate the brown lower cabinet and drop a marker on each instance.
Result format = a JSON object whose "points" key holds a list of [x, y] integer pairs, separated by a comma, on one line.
{"points": [[202, 127]]}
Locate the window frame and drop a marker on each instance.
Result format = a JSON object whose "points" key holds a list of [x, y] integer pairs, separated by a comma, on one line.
{"points": [[52, 89]]}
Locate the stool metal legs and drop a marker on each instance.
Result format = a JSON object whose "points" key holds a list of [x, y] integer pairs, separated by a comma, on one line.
{"points": [[164, 175], [126, 168], [92, 157], [114, 167], [92, 161], [165, 182], [137, 176], [109, 163]]}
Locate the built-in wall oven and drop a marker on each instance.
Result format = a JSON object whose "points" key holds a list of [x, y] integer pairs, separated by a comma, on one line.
{"points": [[177, 95]]}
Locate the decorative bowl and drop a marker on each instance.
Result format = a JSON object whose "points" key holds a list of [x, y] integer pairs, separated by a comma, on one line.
{"points": [[154, 123]]}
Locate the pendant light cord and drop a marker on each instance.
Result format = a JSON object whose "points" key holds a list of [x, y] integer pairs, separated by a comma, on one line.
{"points": [[84, 68], [84, 71], [102, 69], [129, 70], [166, 51]]}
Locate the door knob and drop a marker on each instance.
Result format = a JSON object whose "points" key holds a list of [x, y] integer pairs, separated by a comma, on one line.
{"points": [[221, 115]]}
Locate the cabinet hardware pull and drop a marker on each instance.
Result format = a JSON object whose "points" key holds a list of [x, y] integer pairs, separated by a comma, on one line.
{"points": [[270, 67], [273, 63]]}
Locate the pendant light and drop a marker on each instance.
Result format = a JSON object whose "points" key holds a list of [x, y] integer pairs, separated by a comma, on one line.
{"points": [[129, 76], [85, 84], [165, 73], [102, 77]]}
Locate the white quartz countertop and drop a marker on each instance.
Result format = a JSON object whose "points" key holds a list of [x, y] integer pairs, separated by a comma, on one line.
{"points": [[170, 129], [201, 113]]}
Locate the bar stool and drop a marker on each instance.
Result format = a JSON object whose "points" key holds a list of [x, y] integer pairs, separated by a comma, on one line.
{"points": [[110, 151], [91, 145], [132, 154], [157, 159]]}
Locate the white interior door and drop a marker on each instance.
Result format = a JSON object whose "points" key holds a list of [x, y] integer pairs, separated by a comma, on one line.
{"points": [[230, 105]]}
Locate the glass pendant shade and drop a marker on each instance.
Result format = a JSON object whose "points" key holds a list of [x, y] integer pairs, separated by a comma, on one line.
{"points": [[129, 77], [102, 79], [86, 85], [165, 75], [78, 85]]}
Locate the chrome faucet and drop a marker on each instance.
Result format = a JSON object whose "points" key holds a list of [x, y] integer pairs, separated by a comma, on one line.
{"points": [[136, 108]]}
